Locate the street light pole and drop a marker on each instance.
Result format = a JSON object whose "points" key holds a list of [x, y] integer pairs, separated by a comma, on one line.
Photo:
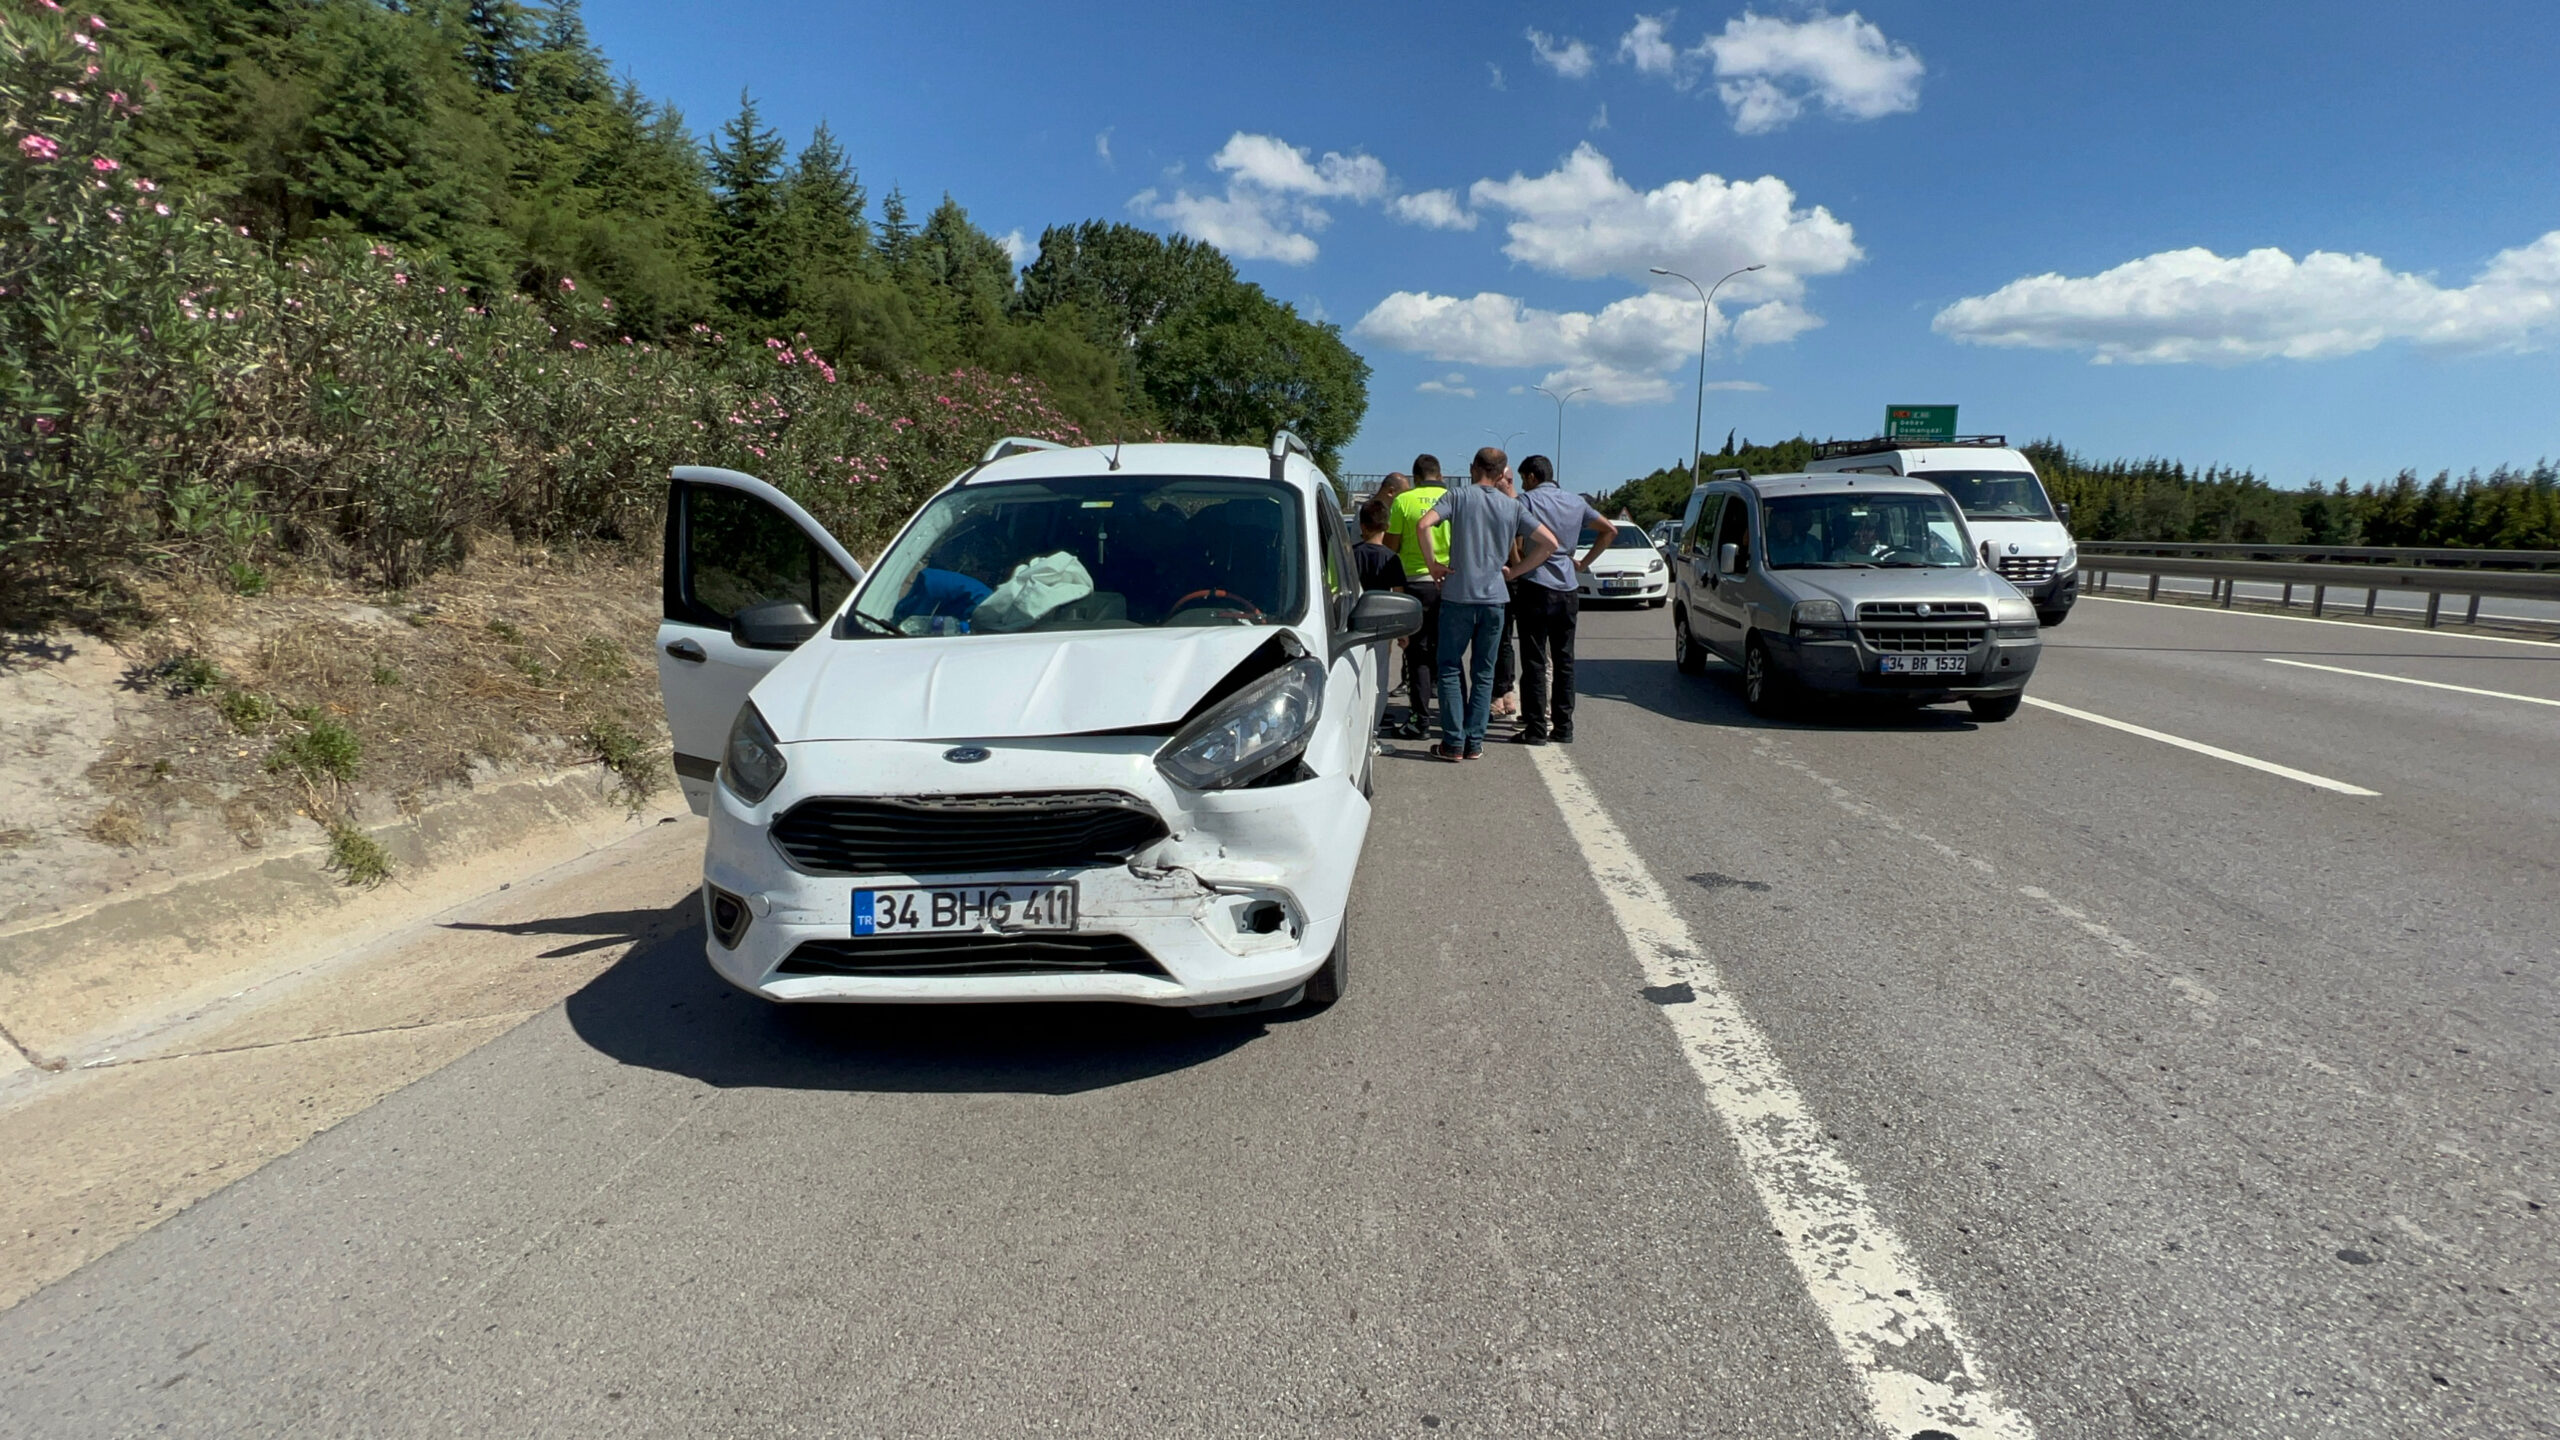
{"points": [[1560, 399], [1706, 317]]}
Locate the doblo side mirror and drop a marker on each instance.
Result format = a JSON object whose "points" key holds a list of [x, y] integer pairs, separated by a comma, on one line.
{"points": [[1385, 615], [1728, 559], [773, 625]]}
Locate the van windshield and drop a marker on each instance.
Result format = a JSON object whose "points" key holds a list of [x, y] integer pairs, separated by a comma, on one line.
{"points": [[1861, 532], [1992, 494], [1100, 553]]}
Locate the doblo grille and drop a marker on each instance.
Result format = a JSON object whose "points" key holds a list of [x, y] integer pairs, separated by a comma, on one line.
{"points": [[966, 834], [927, 955]]}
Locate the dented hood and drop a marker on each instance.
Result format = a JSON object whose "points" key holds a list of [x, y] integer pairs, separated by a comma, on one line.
{"points": [[987, 687]]}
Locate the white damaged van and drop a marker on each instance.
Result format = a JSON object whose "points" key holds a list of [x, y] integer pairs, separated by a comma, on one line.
{"points": [[2004, 504]]}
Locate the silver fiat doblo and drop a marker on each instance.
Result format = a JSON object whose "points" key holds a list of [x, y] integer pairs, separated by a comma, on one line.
{"points": [[1847, 585]]}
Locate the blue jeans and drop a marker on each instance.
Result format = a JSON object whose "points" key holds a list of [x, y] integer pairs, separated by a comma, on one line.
{"points": [[1466, 628]]}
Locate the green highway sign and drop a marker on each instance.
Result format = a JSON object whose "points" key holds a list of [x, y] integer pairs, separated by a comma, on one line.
{"points": [[1919, 422]]}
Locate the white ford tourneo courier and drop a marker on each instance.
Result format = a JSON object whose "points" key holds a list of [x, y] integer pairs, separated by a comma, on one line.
{"points": [[1095, 727], [2004, 506]]}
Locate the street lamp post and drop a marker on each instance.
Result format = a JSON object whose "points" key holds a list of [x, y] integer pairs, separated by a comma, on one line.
{"points": [[1706, 317], [1560, 399]]}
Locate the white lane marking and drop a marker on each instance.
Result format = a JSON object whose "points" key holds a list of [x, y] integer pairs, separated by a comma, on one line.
{"points": [[2322, 620], [1897, 1333], [2405, 680], [2217, 752]]}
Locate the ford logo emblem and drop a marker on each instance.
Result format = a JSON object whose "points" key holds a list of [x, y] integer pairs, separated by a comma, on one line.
{"points": [[966, 754]]}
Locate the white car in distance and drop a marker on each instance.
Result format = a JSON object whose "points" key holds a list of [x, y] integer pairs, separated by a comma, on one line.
{"points": [[1630, 569], [1095, 727]]}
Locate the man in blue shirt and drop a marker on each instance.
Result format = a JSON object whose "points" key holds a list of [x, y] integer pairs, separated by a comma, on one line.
{"points": [[1483, 520], [1546, 604]]}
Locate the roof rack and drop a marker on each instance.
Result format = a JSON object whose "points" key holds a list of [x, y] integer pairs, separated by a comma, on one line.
{"points": [[1016, 445], [1282, 442], [1830, 449], [1736, 471]]}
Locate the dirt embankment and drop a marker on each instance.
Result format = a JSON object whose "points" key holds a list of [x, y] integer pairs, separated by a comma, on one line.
{"points": [[202, 725]]}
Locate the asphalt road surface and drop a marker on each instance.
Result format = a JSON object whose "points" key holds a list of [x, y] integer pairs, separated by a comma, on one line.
{"points": [[2192, 1079]]}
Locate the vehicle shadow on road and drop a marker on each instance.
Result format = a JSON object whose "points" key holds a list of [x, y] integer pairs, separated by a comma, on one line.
{"points": [[662, 1008], [1715, 698]]}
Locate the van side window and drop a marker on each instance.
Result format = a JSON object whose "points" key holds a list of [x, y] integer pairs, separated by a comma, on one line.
{"points": [[1691, 538], [1735, 529]]}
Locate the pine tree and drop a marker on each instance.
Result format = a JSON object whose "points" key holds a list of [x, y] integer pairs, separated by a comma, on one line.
{"points": [[822, 213], [753, 254]]}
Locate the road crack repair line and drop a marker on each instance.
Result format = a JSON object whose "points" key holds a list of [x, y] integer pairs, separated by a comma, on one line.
{"points": [[1898, 1335]]}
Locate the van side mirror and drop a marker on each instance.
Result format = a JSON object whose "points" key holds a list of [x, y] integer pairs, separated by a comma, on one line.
{"points": [[773, 625], [1385, 615], [2064, 511], [1728, 559]]}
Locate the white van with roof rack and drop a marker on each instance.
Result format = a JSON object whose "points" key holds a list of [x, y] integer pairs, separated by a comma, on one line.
{"points": [[2027, 536]]}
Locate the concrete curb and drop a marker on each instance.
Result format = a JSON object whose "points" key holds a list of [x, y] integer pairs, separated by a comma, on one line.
{"points": [[76, 979]]}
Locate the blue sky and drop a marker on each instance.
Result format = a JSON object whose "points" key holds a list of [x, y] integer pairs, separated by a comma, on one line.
{"points": [[2308, 239]]}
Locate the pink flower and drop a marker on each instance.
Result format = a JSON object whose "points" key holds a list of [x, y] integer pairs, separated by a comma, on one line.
{"points": [[159, 209], [581, 345], [44, 425], [568, 284], [85, 43], [97, 24], [67, 97], [380, 252], [39, 147], [399, 279], [103, 165], [144, 185], [49, 4], [116, 99]]}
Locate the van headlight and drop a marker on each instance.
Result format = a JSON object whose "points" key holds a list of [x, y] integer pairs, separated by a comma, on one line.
{"points": [[2013, 610], [1249, 734], [753, 763], [1819, 620], [2070, 559]]}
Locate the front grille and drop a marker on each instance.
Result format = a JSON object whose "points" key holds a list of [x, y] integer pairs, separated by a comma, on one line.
{"points": [[1924, 610], [2028, 569], [925, 955], [966, 834], [1921, 640]]}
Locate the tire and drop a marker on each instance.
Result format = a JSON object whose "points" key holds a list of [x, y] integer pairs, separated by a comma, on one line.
{"points": [[2050, 618], [1764, 685], [1992, 709], [1686, 652], [1333, 977]]}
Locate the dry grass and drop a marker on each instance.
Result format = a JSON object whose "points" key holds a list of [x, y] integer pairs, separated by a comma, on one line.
{"points": [[311, 694]]}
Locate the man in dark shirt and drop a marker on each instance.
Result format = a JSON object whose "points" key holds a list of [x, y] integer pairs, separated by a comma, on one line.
{"points": [[1380, 567]]}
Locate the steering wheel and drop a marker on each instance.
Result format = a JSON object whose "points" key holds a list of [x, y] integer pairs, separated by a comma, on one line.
{"points": [[1250, 610]]}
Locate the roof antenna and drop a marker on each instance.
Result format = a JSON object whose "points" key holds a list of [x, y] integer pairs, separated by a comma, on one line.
{"points": [[1116, 442]]}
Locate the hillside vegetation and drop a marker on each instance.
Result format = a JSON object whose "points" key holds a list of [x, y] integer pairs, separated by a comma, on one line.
{"points": [[361, 281], [2155, 499]]}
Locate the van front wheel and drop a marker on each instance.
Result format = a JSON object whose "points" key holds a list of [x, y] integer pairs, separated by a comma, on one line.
{"points": [[1764, 685]]}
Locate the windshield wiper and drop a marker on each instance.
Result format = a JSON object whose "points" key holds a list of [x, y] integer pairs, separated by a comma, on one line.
{"points": [[877, 627]]}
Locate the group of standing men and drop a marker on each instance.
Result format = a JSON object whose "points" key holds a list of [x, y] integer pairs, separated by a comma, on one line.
{"points": [[1488, 559]]}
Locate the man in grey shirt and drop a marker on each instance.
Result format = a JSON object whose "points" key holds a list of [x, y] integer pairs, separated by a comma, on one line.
{"points": [[1483, 520], [1546, 604]]}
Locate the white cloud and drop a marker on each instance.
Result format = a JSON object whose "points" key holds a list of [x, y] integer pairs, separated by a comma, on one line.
{"points": [[1432, 210], [1567, 57], [1245, 224], [1648, 46], [1269, 163], [1582, 220], [1497, 75], [1768, 69], [1017, 248], [1752, 386], [1624, 352], [2184, 306], [1600, 120], [1268, 210], [1452, 383], [1102, 144]]}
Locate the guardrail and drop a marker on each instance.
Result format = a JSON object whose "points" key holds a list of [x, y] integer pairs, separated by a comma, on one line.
{"points": [[2340, 554], [2343, 568]]}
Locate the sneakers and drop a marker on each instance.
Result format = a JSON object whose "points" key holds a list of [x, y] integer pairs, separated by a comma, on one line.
{"points": [[1528, 737], [1475, 752], [1561, 737], [1443, 752]]}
